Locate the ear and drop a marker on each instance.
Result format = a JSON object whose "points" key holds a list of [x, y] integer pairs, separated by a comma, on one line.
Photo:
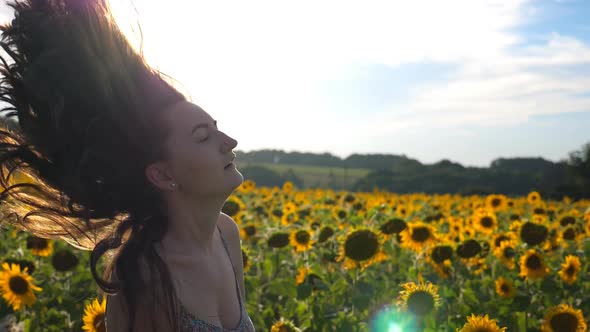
{"points": [[158, 174]]}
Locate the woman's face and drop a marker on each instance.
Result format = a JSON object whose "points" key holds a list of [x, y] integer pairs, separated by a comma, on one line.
{"points": [[197, 155]]}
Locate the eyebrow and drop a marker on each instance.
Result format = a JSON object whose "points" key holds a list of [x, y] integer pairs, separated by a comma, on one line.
{"points": [[201, 125]]}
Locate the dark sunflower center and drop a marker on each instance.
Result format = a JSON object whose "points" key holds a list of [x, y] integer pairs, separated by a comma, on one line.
{"points": [[361, 245], [420, 303], [278, 240], [505, 288], [533, 234], [487, 222], [98, 323], [393, 226], [302, 237], [341, 214], [250, 230], [64, 260], [441, 253], [539, 211], [567, 220], [325, 234], [569, 234], [18, 285], [231, 208], [420, 234], [499, 240], [571, 270], [34, 242], [496, 202], [509, 252], [244, 258], [533, 262], [469, 248], [564, 322]]}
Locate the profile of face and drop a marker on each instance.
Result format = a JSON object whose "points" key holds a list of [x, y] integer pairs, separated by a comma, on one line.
{"points": [[198, 153]]}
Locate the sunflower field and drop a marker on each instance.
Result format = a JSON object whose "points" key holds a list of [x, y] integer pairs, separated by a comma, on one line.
{"points": [[320, 260]]}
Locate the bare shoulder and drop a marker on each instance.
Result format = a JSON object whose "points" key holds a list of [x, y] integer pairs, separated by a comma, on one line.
{"points": [[229, 227], [231, 232]]}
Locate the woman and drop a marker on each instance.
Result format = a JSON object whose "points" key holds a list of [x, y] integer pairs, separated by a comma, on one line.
{"points": [[108, 156]]}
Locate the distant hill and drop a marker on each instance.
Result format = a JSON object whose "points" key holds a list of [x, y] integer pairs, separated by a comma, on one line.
{"points": [[363, 172]]}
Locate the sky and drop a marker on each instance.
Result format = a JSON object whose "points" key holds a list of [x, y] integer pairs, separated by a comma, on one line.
{"points": [[464, 80]]}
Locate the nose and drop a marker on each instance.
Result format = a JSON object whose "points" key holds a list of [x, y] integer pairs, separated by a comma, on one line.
{"points": [[229, 143]]}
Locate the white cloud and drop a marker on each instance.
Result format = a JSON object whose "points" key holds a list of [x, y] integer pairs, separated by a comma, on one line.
{"points": [[255, 64]]}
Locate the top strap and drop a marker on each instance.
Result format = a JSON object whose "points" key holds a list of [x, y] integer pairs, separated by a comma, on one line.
{"points": [[232, 265]]}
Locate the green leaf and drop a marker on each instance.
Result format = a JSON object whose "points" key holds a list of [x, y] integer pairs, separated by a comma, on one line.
{"points": [[303, 291]]}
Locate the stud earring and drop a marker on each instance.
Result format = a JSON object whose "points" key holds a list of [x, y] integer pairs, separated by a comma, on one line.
{"points": [[173, 185]]}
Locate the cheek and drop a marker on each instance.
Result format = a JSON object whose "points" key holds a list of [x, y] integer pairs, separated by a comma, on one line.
{"points": [[193, 164]]}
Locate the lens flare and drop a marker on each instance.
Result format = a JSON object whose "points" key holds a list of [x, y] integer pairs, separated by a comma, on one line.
{"points": [[388, 319]]}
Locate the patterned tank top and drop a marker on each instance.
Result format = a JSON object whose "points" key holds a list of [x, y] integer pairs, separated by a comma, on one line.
{"points": [[190, 323]]}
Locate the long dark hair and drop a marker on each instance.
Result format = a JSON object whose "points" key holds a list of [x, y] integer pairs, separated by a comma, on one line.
{"points": [[84, 114]]}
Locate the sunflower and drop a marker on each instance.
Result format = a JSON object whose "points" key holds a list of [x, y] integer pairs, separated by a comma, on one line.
{"points": [[246, 263], [469, 249], [533, 198], [289, 207], [569, 234], [339, 213], [361, 246], [94, 314], [532, 233], [17, 286], [481, 324], [39, 246], [417, 236], [301, 273], [532, 265], [326, 232], [501, 237], [504, 288], [284, 326], [485, 221], [565, 219], [563, 318], [441, 253], [506, 253], [233, 205], [64, 260], [248, 231], [278, 240], [496, 202], [289, 218], [247, 186], [419, 299], [288, 187], [301, 240], [392, 226], [570, 269]]}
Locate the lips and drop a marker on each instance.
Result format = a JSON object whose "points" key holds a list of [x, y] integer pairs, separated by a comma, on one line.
{"points": [[230, 163]]}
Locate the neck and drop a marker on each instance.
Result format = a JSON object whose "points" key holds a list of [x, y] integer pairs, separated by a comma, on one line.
{"points": [[192, 227]]}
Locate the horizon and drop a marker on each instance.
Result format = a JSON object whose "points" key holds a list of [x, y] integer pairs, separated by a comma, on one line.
{"points": [[468, 81], [408, 156]]}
